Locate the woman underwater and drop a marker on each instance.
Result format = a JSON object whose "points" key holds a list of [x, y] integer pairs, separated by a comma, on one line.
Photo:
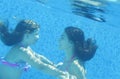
{"points": [[77, 51], [21, 57]]}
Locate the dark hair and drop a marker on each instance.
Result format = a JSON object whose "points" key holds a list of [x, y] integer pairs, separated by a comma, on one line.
{"points": [[84, 50], [24, 26]]}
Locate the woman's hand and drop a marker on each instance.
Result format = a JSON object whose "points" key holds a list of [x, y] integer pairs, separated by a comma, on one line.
{"points": [[67, 76]]}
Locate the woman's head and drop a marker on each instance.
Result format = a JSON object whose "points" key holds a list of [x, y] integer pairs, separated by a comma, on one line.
{"points": [[70, 37], [26, 26], [84, 50], [22, 28]]}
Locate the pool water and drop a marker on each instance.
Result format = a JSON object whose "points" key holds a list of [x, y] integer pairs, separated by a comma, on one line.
{"points": [[53, 17]]}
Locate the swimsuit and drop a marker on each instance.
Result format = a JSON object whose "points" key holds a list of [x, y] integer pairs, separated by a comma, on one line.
{"points": [[21, 65]]}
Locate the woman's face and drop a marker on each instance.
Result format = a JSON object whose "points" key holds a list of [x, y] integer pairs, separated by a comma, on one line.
{"points": [[64, 42], [31, 38], [35, 35]]}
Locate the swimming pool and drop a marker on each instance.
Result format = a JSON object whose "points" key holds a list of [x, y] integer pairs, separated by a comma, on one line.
{"points": [[105, 64]]}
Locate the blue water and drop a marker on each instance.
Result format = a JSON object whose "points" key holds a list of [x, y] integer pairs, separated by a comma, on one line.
{"points": [[53, 18]]}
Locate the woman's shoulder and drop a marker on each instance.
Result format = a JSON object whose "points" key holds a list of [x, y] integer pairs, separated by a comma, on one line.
{"points": [[13, 55], [18, 52], [78, 69], [21, 53], [78, 66]]}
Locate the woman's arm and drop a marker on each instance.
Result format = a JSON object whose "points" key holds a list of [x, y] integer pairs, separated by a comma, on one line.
{"points": [[43, 59], [29, 57]]}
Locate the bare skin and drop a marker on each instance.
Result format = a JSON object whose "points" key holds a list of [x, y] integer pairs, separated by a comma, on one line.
{"points": [[17, 54], [71, 64], [74, 68], [23, 52]]}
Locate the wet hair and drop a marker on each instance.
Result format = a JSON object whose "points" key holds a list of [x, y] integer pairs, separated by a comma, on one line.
{"points": [[23, 27], [83, 49]]}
